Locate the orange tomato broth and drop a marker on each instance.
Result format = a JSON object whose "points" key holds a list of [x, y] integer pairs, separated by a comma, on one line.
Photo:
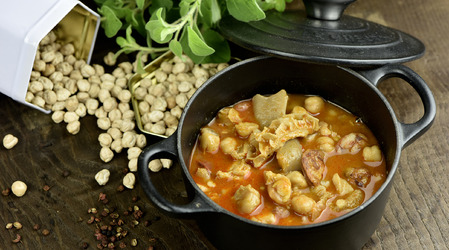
{"points": [[341, 122]]}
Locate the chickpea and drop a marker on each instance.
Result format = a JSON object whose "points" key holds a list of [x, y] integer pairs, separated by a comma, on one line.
{"points": [[129, 180], [70, 116], [110, 59], [228, 145], [181, 100], [116, 145], [128, 115], [105, 139], [62, 94], [141, 141], [114, 114], [129, 139], [155, 165], [73, 127], [134, 152], [94, 90], [9, 141], [303, 204], [91, 106], [127, 125], [115, 133], [122, 82], [159, 104], [104, 123], [106, 154], [166, 163], [158, 129], [209, 140], [58, 116], [314, 104], [19, 188], [67, 49], [29, 96], [372, 153], [50, 97], [132, 165], [82, 97], [87, 70], [83, 85], [71, 103], [102, 177]]}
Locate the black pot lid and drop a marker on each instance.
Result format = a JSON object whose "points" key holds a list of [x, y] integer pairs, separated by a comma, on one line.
{"points": [[347, 41]]}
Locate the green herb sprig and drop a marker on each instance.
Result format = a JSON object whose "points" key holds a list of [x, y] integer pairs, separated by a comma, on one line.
{"points": [[183, 26]]}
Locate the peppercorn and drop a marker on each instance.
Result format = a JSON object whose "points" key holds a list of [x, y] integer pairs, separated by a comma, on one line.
{"points": [[36, 227], [46, 188], [122, 245]]}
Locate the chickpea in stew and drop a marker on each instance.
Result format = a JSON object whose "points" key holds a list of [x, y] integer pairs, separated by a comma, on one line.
{"points": [[287, 159]]}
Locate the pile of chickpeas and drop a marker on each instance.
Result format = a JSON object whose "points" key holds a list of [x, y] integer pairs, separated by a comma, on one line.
{"points": [[72, 89]]}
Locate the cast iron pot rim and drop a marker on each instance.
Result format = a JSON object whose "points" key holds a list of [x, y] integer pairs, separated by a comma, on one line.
{"points": [[219, 209]]}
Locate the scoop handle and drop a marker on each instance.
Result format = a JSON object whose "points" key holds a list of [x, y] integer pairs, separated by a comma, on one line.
{"points": [[166, 149], [410, 131]]}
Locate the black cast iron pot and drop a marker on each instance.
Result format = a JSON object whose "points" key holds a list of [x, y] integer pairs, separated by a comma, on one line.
{"points": [[354, 90]]}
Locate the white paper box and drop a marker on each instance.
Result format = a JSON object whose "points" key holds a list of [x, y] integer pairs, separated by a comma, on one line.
{"points": [[23, 24]]}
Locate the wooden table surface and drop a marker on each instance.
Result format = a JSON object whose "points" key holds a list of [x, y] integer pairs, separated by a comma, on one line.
{"points": [[416, 216]]}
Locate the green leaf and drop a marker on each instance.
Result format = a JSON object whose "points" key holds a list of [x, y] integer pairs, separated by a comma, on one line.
{"points": [[141, 4], [184, 8], [160, 31], [121, 41], [176, 48], [111, 23], [210, 12], [245, 10], [280, 5], [222, 50], [129, 36], [156, 4], [185, 47], [198, 46]]}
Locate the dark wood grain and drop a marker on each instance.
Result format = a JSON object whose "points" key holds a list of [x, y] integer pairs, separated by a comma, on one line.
{"points": [[416, 216]]}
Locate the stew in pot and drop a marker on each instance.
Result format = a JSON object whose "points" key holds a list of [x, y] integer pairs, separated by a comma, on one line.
{"points": [[287, 159]]}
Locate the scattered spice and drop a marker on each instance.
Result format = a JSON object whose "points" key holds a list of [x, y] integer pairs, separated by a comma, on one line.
{"points": [[92, 210], [45, 232], [36, 227], [17, 225], [9, 226], [120, 188], [66, 173], [85, 245], [46, 188], [91, 220], [134, 242], [6, 192], [17, 239]]}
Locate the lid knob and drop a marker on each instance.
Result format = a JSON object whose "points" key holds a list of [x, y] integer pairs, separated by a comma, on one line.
{"points": [[329, 10]]}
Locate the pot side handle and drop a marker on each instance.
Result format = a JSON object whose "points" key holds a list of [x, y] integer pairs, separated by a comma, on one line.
{"points": [[166, 149], [410, 131]]}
